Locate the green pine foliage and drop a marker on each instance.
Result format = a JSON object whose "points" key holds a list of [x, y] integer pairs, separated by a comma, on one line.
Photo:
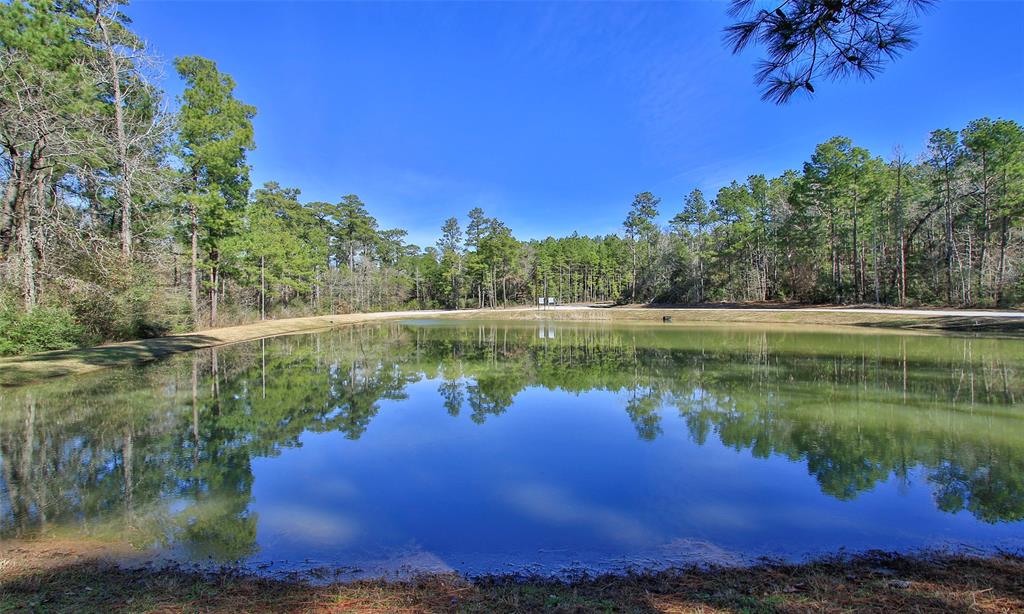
{"points": [[135, 223], [44, 328]]}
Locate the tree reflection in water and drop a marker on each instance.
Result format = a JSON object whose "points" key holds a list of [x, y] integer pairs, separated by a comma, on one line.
{"points": [[163, 453]]}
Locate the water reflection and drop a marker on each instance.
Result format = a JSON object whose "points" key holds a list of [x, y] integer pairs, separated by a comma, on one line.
{"points": [[163, 454]]}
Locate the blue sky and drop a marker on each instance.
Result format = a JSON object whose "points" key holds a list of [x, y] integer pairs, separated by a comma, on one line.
{"points": [[551, 116]]}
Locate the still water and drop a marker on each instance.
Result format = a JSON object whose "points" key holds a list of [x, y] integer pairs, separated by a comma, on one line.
{"points": [[528, 446]]}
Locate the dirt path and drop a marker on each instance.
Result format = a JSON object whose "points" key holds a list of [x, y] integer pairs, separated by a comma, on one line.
{"points": [[24, 369]]}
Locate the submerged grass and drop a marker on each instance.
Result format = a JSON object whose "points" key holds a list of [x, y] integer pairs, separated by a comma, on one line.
{"points": [[55, 577]]}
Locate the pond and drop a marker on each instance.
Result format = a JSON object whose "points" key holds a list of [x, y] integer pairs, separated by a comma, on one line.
{"points": [[479, 446]]}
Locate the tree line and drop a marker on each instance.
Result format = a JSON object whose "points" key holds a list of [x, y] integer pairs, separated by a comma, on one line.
{"points": [[121, 218]]}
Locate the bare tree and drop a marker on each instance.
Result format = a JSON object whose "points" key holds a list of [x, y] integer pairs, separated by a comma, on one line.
{"points": [[140, 125]]}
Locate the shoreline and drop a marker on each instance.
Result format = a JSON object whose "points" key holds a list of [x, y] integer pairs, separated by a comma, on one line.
{"points": [[19, 370], [69, 577]]}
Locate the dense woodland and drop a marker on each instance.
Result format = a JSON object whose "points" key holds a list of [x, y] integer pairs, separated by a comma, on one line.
{"points": [[126, 214]]}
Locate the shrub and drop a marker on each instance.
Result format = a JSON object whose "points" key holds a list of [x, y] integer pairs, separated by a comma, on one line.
{"points": [[43, 328], [131, 306]]}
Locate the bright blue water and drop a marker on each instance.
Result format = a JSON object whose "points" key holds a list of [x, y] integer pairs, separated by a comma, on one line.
{"points": [[511, 447]]}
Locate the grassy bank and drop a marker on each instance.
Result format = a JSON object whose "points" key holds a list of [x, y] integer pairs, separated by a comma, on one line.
{"points": [[697, 316], [54, 577], [24, 369]]}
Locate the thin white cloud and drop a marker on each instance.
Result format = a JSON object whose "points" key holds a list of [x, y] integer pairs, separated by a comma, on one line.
{"points": [[555, 506], [307, 525]]}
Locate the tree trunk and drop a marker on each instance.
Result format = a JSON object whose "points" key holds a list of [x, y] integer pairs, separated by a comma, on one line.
{"points": [[124, 195], [901, 282], [214, 286], [193, 272], [855, 265], [419, 301], [7, 214], [700, 279], [874, 266], [28, 264], [263, 291], [1004, 238], [986, 222], [39, 241], [836, 271], [632, 292], [949, 237]]}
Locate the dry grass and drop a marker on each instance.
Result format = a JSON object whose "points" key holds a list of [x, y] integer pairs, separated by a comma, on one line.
{"points": [[55, 577]]}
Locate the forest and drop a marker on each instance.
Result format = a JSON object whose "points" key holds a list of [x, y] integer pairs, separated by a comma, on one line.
{"points": [[127, 214]]}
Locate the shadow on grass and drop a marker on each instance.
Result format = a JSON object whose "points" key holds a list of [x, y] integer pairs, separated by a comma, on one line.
{"points": [[22, 370], [875, 582], [1013, 327], [961, 324], [736, 306]]}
